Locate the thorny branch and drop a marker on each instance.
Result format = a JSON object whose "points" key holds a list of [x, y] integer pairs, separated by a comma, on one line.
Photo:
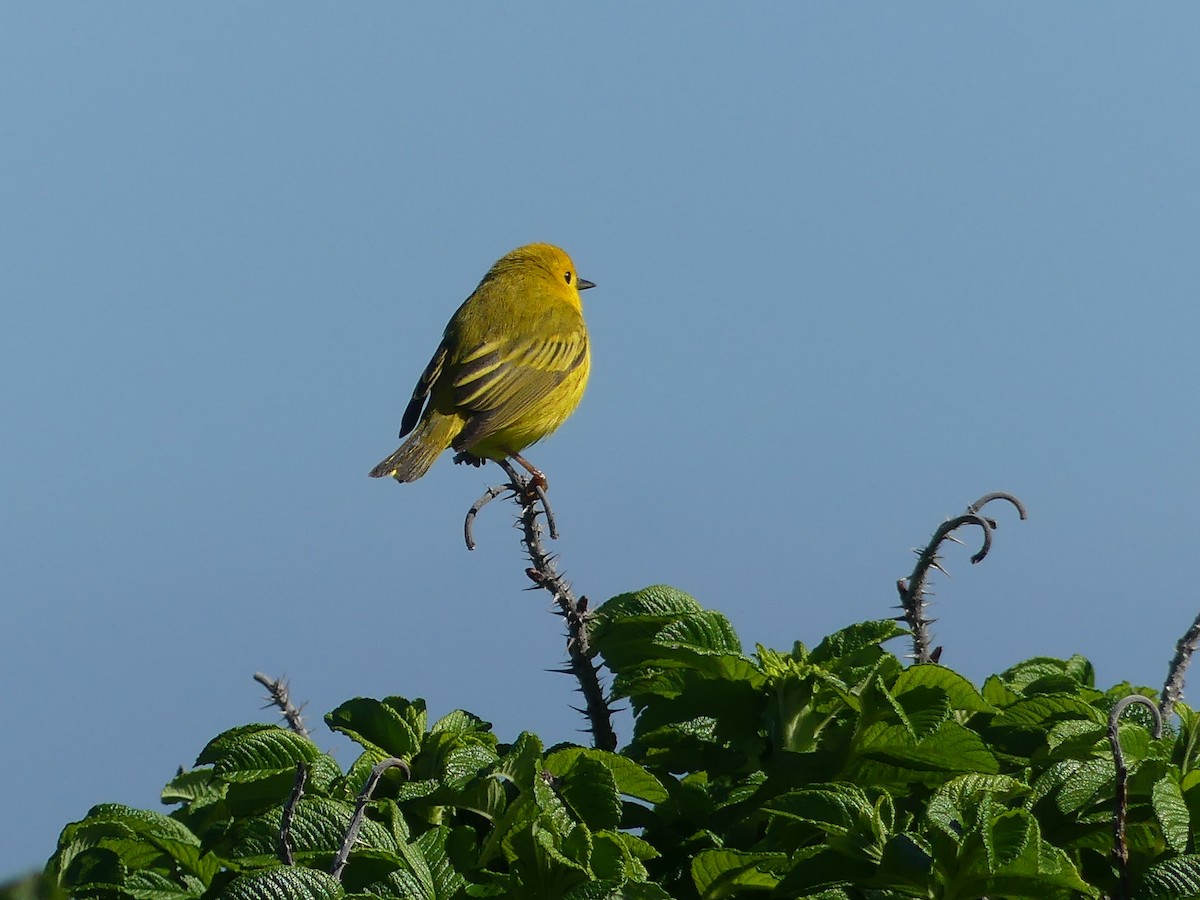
{"points": [[1172, 690], [544, 574], [360, 811], [1120, 850], [277, 695], [914, 589]]}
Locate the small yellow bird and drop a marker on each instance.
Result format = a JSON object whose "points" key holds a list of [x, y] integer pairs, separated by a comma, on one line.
{"points": [[511, 367]]}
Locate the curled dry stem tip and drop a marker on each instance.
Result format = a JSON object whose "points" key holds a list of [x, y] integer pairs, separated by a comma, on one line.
{"points": [[1120, 849], [287, 853], [525, 491], [360, 811]]}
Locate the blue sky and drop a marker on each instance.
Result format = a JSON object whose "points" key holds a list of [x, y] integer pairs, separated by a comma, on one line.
{"points": [[856, 265]]}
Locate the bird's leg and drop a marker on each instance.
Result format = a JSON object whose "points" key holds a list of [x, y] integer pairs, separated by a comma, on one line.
{"points": [[539, 479], [530, 492]]}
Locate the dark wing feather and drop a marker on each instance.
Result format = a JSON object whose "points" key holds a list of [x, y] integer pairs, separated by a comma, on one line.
{"points": [[412, 413]]}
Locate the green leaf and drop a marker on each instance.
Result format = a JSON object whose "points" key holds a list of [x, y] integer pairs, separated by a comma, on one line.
{"points": [[705, 631], [962, 693], [951, 748], [1171, 812], [194, 787], [720, 873], [1172, 879], [659, 601], [1045, 674], [618, 855], [617, 890], [590, 790], [254, 752], [389, 727], [1041, 712], [317, 829], [522, 763], [855, 638], [843, 812], [925, 709], [955, 804], [461, 723], [292, 883], [631, 779], [623, 629]]}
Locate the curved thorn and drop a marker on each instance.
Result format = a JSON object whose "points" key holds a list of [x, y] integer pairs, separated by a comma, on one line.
{"points": [[360, 811]]}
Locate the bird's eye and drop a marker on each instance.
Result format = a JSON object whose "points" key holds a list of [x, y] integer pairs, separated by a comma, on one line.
{"points": [[568, 277]]}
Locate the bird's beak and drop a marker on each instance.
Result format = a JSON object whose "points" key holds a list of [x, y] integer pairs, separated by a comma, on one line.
{"points": [[583, 284]]}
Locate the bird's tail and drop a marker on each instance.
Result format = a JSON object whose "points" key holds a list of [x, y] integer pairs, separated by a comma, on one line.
{"points": [[433, 435]]}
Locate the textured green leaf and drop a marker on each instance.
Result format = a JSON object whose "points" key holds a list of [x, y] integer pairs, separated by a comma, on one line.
{"points": [[1083, 783], [962, 693], [720, 873], [954, 805], [149, 884], [293, 883], [618, 855], [854, 638], [196, 786], [460, 722], [850, 821], [952, 748], [590, 790], [623, 629], [318, 827], [1041, 712], [659, 601], [256, 751], [705, 631], [631, 779], [1007, 838], [1171, 812], [1042, 673], [617, 890], [1172, 879], [925, 708], [389, 727]]}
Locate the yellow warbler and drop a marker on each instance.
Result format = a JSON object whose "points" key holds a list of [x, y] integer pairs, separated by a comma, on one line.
{"points": [[511, 367]]}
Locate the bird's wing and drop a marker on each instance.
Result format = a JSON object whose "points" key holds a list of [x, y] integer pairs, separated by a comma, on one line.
{"points": [[499, 380], [412, 413]]}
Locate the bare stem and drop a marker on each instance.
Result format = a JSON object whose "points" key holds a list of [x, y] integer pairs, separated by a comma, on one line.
{"points": [[1120, 850], [360, 811], [277, 695], [914, 589], [287, 853]]}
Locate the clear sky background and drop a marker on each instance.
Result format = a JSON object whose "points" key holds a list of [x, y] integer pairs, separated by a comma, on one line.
{"points": [[857, 264]]}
